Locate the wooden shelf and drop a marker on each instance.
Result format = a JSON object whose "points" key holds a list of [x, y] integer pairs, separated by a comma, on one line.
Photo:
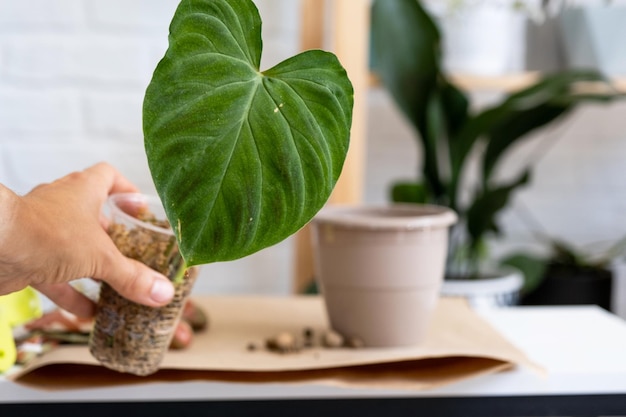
{"points": [[505, 83], [512, 82]]}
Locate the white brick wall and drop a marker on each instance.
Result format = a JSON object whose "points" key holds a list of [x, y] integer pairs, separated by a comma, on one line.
{"points": [[72, 78], [40, 15], [136, 16]]}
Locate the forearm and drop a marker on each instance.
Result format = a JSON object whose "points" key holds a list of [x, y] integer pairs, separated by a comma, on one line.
{"points": [[9, 203], [8, 206]]}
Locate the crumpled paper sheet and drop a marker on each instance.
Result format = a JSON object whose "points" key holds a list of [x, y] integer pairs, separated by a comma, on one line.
{"points": [[459, 345]]}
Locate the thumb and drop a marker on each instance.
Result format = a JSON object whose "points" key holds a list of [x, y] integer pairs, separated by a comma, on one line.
{"points": [[137, 282]]}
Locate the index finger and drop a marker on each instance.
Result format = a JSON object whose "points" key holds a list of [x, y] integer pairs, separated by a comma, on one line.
{"points": [[111, 179]]}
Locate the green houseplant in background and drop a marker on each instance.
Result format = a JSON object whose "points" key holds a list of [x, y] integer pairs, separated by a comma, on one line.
{"points": [[241, 158], [407, 58], [566, 274]]}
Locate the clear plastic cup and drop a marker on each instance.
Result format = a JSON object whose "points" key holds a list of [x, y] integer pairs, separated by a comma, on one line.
{"points": [[130, 337]]}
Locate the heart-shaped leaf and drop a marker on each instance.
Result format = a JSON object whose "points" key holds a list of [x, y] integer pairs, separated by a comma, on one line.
{"points": [[241, 158]]}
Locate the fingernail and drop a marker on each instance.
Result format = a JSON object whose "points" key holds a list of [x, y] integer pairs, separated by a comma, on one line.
{"points": [[162, 290]]}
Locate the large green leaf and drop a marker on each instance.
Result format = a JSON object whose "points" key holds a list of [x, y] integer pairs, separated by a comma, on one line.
{"points": [[241, 158], [456, 107], [409, 192], [405, 54], [509, 121], [481, 216], [512, 127], [534, 107], [532, 267]]}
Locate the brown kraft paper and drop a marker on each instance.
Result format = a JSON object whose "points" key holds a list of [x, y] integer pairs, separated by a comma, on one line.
{"points": [[459, 345]]}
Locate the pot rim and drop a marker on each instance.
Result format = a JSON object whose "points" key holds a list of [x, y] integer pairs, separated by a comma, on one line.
{"points": [[508, 280], [139, 198], [395, 216]]}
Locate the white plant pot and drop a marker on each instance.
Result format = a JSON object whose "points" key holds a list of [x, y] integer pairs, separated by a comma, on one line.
{"points": [[499, 289], [380, 269], [593, 37], [486, 38]]}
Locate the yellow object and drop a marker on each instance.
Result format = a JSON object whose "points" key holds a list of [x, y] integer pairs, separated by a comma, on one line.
{"points": [[19, 307], [8, 352], [15, 309]]}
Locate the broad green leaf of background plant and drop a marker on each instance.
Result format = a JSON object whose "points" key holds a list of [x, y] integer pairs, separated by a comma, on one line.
{"points": [[456, 107], [481, 215], [405, 54], [529, 109], [409, 192], [509, 122], [241, 158], [532, 267]]}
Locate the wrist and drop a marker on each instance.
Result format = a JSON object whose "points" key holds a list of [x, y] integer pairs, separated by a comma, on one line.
{"points": [[9, 280], [8, 212]]}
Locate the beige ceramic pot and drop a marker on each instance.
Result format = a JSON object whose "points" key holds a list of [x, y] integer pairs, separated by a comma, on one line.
{"points": [[380, 269]]}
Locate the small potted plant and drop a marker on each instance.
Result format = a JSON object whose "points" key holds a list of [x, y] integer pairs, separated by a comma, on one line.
{"points": [[407, 58], [567, 275], [241, 158]]}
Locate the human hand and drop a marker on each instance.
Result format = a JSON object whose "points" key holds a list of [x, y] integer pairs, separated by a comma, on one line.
{"points": [[56, 233]]}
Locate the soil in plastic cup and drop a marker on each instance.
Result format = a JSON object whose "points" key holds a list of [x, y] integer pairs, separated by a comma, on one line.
{"points": [[130, 337]]}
